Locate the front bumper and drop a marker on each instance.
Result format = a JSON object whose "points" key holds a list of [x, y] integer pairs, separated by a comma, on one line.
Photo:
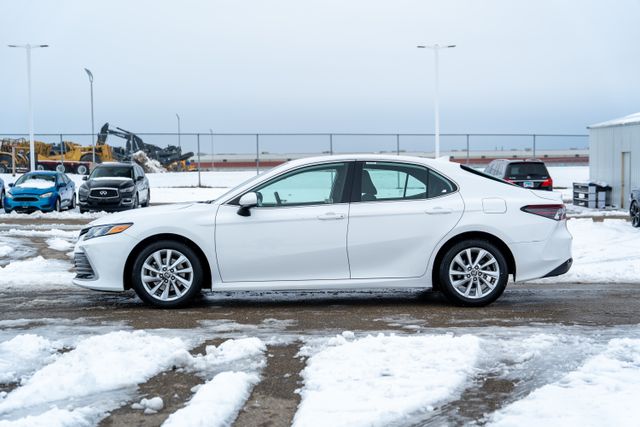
{"points": [[45, 205], [106, 257], [122, 203]]}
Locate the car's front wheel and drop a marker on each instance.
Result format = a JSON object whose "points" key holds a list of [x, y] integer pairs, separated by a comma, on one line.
{"points": [[473, 273], [167, 274], [634, 211]]}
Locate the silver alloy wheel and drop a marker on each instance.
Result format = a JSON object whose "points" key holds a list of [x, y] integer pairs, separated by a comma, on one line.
{"points": [[474, 273], [166, 274]]}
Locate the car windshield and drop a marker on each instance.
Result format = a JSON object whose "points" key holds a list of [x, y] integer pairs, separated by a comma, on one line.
{"points": [[112, 172], [528, 170], [36, 181]]}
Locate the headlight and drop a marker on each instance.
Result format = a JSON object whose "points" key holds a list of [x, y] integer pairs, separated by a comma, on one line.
{"points": [[45, 195], [128, 189], [105, 230]]}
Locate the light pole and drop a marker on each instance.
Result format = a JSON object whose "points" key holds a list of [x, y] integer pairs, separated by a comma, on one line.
{"points": [[436, 49], [32, 151], [213, 163], [93, 138], [178, 117]]}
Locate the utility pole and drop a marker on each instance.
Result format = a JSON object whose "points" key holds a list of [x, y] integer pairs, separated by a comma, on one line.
{"points": [[93, 133]]}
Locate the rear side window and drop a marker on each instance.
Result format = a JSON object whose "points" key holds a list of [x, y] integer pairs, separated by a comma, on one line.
{"points": [[528, 170]]}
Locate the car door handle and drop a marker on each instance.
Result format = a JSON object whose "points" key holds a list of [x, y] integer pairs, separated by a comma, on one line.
{"points": [[330, 216], [437, 210]]}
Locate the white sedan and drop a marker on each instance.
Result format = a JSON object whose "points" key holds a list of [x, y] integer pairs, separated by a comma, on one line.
{"points": [[338, 222]]}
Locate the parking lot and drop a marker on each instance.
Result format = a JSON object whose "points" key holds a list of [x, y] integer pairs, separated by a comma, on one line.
{"points": [[534, 335]]}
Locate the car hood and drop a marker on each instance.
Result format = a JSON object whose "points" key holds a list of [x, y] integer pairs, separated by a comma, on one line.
{"points": [[108, 183], [183, 209], [31, 190]]}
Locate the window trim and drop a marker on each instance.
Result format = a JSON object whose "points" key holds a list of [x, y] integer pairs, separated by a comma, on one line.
{"points": [[357, 182], [346, 196]]}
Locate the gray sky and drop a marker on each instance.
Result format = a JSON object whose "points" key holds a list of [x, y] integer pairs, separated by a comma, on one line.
{"points": [[295, 65]]}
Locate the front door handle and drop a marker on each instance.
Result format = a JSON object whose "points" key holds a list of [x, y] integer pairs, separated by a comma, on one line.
{"points": [[330, 216], [437, 210]]}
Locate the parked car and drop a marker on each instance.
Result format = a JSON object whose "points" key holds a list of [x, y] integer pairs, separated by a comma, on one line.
{"points": [[40, 191], [634, 208], [530, 173], [114, 187], [1, 193], [335, 222]]}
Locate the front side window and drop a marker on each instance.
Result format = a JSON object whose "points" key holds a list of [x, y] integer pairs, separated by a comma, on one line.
{"points": [[322, 184], [396, 181]]}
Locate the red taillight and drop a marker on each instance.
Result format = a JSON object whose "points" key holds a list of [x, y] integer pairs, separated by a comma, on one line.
{"points": [[509, 180], [556, 212], [547, 183]]}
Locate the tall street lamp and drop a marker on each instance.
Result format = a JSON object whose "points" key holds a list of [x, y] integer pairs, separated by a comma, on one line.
{"points": [[436, 49], [178, 117], [93, 134], [32, 151]]}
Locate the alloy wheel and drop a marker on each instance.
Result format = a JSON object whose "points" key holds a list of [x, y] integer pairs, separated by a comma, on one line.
{"points": [[474, 273], [166, 274]]}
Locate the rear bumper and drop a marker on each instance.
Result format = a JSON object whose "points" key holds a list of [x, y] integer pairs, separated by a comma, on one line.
{"points": [[563, 268]]}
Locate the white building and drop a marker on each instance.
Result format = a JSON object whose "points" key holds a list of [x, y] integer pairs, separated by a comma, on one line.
{"points": [[614, 156]]}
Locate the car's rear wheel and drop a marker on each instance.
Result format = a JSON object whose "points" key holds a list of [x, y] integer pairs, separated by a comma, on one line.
{"points": [[72, 204], [473, 273], [167, 274], [634, 211]]}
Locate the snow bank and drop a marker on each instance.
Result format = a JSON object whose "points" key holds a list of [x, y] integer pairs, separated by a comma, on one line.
{"points": [[217, 402], [58, 244], [603, 252], [98, 364], [80, 417], [378, 380], [36, 272], [54, 232], [248, 350], [68, 214], [23, 355], [604, 390], [5, 250]]}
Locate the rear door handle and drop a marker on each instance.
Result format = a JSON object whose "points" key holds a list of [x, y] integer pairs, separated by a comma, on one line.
{"points": [[437, 210], [330, 216]]}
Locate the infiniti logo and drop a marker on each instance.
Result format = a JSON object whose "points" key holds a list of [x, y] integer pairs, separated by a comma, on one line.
{"points": [[103, 193]]}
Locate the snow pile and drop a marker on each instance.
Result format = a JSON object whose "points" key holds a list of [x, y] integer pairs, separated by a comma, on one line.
{"points": [[217, 402], [379, 380], [24, 354], [67, 214], [150, 406], [97, 365], [5, 250], [55, 417], [36, 272], [54, 232], [603, 390], [149, 165], [247, 350], [37, 183], [603, 252], [58, 244]]}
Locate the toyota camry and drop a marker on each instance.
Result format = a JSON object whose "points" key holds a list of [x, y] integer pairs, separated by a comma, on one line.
{"points": [[336, 222]]}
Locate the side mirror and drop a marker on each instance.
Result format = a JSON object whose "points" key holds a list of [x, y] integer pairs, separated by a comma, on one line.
{"points": [[247, 201], [140, 178], [11, 184], [86, 177], [60, 185]]}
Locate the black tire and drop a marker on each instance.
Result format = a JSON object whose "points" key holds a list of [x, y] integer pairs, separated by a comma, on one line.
{"points": [[72, 205], [2, 199], [634, 211], [82, 170], [83, 210], [61, 168], [136, 201], [3, 169], [146, 202], [188, 295], [476, 280], [58, 207]]}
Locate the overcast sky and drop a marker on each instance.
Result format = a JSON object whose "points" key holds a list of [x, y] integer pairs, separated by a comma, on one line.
{"points": [[340, 66]]}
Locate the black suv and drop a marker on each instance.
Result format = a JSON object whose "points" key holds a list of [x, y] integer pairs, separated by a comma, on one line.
{"points": [[114, 187], [530, 173]]}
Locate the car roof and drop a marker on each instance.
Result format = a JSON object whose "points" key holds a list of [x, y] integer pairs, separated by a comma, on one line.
{"points": [[114, 164], [519, 160], [45, 173]]}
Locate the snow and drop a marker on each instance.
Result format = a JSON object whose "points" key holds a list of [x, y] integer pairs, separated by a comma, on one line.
{"points": [[54, 232], [626, 120], [67, 214], [36, 273], [233, 350], [39, 184], [565, 176], [150, 406], [23, 354], [378, 380], [216, 402], [602, 391], [603, 252], [5, 250], [55, 417], [59, 244]]}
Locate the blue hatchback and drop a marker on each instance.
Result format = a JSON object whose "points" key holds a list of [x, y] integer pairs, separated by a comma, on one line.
{"points": [[41, 191]]}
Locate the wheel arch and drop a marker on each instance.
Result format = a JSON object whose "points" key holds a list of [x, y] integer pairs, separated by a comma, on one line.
{"points": [[499, 243], [128, 266]]}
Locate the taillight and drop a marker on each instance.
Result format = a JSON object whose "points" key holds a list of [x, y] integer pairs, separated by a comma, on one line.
{"points": [[509, 180], [556, 212], [547, 183]]}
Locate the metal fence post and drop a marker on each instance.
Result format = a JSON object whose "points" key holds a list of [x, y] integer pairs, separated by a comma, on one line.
{"points": [[467, 148], [534, 145], [199, 178], [331, 144], [62, 148], [257, 154], [397, 144]]}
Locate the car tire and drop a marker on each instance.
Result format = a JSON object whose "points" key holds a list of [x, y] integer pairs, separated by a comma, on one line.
{"points": [[2, 199], [146, 202], [82, 170], [72, 205], [58, 206], [464, 282], [161, 286], [136, 201], [634, 211]]}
